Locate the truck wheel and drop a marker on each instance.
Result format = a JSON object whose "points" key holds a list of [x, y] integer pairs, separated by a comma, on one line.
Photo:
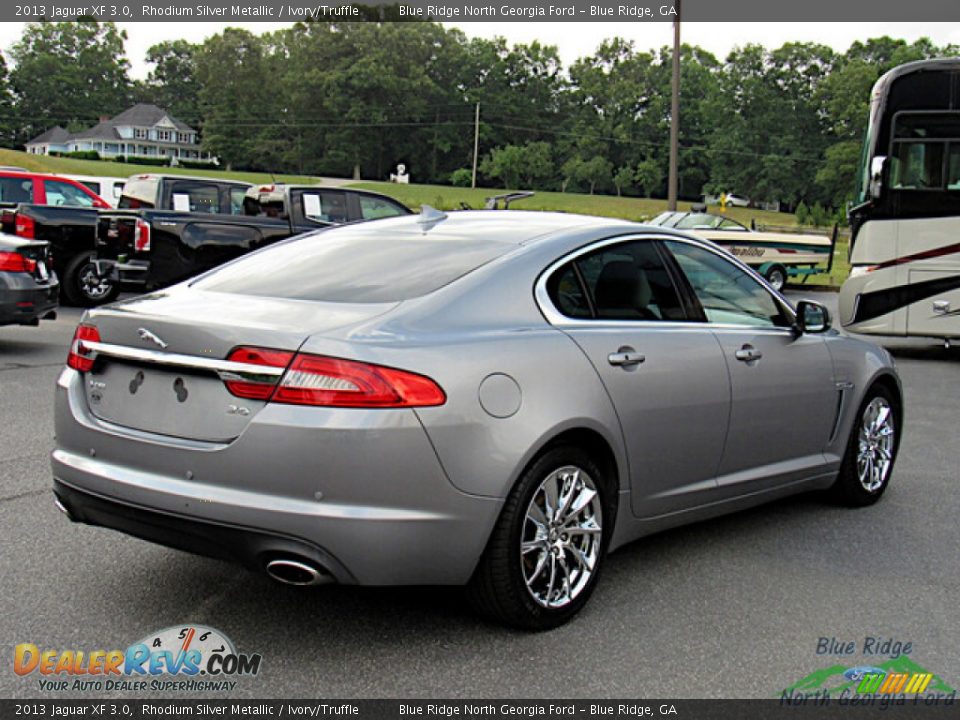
{"points": [[82, 286], [776, 276]]}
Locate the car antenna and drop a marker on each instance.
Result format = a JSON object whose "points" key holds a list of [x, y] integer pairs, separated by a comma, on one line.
{"points": [[429, 217]]}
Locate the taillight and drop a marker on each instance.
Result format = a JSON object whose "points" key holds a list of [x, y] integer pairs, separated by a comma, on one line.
{"points": [[141, 236], [25, 227], [15, 262], [257, 388], [79, 357], [332, 382]]}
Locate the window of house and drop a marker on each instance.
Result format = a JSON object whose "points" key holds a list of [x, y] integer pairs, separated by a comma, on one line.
{"points": [[163, 135], [140, 133]]}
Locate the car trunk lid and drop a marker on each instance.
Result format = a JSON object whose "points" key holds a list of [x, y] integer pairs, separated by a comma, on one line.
{"points": [[162, 360]]}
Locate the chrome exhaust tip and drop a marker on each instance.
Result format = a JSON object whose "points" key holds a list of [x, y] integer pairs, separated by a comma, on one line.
{"points": [[62, 508], [296, 572]]}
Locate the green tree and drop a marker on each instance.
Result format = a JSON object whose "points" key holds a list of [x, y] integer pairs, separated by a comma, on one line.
{"points": [[649, 176], [8, 117], [69, 74], [172, 83], [519, 166], [623, 179], [235, 97]]}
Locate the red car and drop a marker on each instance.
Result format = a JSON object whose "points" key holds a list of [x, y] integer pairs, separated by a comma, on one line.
{"points": [[44, 189]]}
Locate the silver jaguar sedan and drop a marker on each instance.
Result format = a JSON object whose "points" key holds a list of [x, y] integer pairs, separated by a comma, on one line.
{"points": [[495, 399]]}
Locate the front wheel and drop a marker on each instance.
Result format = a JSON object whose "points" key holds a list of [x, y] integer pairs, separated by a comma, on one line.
{"points": [[871, 450], [544, 556], [83, 287]]}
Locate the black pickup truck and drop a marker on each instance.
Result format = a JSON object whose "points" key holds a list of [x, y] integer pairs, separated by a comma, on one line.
{"points": [[144, 249], [71, 231]]}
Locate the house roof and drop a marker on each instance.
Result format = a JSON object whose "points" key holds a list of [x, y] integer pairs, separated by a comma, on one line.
{"points": [[100, 131], [56, 134], [147, 115], [140, 115]]}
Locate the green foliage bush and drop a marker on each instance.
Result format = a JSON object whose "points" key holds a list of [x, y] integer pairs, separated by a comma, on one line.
{"points": [[79, 154], [198, 164], [146, 160], [461, 177]]}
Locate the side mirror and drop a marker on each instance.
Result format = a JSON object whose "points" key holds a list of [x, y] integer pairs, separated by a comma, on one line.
{"points": [[812, 317], [877, 167]]}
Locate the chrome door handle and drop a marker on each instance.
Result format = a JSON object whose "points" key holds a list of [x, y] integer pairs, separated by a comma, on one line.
{"points": [[625, 358], [941, 307], [748, 353]]}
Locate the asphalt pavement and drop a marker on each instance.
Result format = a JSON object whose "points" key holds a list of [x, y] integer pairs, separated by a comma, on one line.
{"points": [[733, 607]]}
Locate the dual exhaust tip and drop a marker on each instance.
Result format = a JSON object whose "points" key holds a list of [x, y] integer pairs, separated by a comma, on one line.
{"points": [[297, 572]]}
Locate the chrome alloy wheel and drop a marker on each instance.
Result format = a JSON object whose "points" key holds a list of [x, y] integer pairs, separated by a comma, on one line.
{"points": [[875, 449], [562, 537]]}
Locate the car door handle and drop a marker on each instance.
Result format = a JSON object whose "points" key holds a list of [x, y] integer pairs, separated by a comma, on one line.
{"points": [[625, 357], [748, 353]]}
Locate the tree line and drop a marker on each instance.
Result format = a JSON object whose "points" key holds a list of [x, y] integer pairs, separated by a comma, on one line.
{"points": [[334, 98]]}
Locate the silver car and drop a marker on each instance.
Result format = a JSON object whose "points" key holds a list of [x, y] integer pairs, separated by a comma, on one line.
{"points": [[495, 399]]}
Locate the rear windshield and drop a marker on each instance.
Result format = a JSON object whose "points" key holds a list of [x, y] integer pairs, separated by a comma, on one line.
{"points": [[348, 267]]}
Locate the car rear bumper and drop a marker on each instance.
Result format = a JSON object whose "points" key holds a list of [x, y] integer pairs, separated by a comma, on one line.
{"points": [[24, 301], [359, 493]]}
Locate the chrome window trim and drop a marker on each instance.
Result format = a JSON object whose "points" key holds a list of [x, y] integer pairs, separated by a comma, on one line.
{"points": [[558, 319]]}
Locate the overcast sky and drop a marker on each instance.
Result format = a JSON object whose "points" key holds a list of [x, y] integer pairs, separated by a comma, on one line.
{"points": [[575, 40]]}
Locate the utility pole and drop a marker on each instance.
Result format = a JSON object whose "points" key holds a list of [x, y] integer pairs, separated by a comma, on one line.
{"points": [[674, 114], [476, 145]]}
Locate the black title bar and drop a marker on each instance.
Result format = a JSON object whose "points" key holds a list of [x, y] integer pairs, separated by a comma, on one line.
{"points": [[625, 11]]}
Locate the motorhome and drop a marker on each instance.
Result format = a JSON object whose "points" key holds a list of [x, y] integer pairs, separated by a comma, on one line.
{"points": [[905, 225]]}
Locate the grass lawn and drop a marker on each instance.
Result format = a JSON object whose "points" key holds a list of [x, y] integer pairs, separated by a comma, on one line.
{"points": [[442, 197], [72, 166]]}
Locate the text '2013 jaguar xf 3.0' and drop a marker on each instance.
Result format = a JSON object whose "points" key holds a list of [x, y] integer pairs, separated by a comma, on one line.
{"points": [[488, 399]]}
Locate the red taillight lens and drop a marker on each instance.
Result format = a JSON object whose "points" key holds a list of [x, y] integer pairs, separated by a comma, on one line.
{"points": [[79, 357], [331, 382], [25, 227], [15, 262], [141, 236], [257, 389]]}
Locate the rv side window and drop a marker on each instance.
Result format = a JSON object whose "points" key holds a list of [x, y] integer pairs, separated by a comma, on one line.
{"points": [[925, 151], [917, 166]]}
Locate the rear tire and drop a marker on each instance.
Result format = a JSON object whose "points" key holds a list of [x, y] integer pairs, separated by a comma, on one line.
{"points": [[546, 551], [871, 450], [82, 288]]}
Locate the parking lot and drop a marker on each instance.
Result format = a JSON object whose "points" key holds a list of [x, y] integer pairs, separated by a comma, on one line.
{"points": [[733, 607]]}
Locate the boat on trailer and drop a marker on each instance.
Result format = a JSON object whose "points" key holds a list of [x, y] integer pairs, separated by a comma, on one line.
{"points": [[775, 255]]}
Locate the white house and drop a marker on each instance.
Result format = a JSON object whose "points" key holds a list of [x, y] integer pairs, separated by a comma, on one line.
{"points": [[144, 130]]}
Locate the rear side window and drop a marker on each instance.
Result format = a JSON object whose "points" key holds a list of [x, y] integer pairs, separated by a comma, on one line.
{"points": [[195, 197], [372, 208], [61, 193], [16, 190], [354, 266], [627, 281], [328, 207]]}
